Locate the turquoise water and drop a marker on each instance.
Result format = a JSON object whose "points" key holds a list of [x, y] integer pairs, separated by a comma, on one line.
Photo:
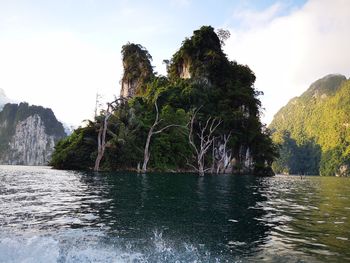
{"points": [[61, 216]]}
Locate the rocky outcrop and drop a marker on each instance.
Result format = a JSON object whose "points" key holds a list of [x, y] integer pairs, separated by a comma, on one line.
{"points": [[200, 58], [241, 163], [30, 145], [28, 134], [137, 70], [184, 70], [129, 88]]}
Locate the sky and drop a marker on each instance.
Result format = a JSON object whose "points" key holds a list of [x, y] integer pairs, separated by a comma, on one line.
{"points": [[60, 54]]}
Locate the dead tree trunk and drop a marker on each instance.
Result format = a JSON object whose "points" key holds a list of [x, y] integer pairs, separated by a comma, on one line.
{"points": [[223, 154], [206, 138], [101, 137], [101, 140], [146, 154], [213, 158], [151, 132]]}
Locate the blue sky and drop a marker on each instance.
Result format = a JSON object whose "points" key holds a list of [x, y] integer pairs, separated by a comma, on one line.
{"points": [[109, 24], [60, 53]]}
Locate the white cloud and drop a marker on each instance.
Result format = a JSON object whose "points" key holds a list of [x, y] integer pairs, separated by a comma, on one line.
{"points": [[59, 71], [251, 18], [287, 53], [181, 3]]}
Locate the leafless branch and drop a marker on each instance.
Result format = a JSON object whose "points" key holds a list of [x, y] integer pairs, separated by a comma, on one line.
{"points": [[206, 138], [101, 137], [151, 132]]}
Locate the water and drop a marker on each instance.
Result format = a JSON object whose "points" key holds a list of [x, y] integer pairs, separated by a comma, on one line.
{"points": [[62, 216]]}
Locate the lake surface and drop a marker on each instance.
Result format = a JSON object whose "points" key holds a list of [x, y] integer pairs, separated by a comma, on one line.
{"points": [[62, 216]]}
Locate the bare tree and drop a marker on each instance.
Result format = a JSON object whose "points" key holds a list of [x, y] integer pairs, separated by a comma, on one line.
{"points": [[206, 138], [223, 154], [101, 137], [213, 157], [223, 35], [152, 132], [98, 103]]}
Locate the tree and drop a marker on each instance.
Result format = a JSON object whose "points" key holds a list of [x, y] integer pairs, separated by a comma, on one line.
{"points": [[296, 158], [206, 138], [74, 152], [223, 35], [167, 64], [225, 87], [98, 103], [101, 137], [152, 132], [222, 154]]}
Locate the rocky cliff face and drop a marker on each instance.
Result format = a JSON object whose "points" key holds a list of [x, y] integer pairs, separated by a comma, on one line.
{"points": [[28, 134], [184, 71], [30, 144], [137, 70], [202, 61], [128, 89]]}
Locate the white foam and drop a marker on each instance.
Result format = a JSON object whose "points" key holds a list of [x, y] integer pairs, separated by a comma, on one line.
{"points": [[35, 249], [76, 246]]}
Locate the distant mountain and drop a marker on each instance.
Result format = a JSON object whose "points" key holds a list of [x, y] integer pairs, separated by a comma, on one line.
{"points": [[28, 134], [326, 86], [313, 130], [68, 129], [3, 98]]}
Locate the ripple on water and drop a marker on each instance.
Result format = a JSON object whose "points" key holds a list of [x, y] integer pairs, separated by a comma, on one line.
{"points": [[60, 216]]}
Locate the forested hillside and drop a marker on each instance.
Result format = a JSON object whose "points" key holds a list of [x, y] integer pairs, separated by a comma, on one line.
{"points": [[313, 130]]}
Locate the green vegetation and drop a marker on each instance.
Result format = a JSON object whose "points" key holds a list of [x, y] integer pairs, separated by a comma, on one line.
{"points": [[313, 130], [216, 88], [75, 148], [137, 69]]}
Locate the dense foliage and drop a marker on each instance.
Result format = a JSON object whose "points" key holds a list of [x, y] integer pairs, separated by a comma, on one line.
{"points": [[218, 88], [313, 130]]}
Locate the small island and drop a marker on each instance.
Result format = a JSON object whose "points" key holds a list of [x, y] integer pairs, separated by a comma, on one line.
{"points": [[204, 117], [129, 132]]}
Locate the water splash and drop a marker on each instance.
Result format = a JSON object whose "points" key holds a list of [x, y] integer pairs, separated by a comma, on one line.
{"points": [[86, 246]]}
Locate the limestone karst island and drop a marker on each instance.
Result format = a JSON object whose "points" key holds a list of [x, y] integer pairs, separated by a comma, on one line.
{"points": [[204, 116], [174, 131]]}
